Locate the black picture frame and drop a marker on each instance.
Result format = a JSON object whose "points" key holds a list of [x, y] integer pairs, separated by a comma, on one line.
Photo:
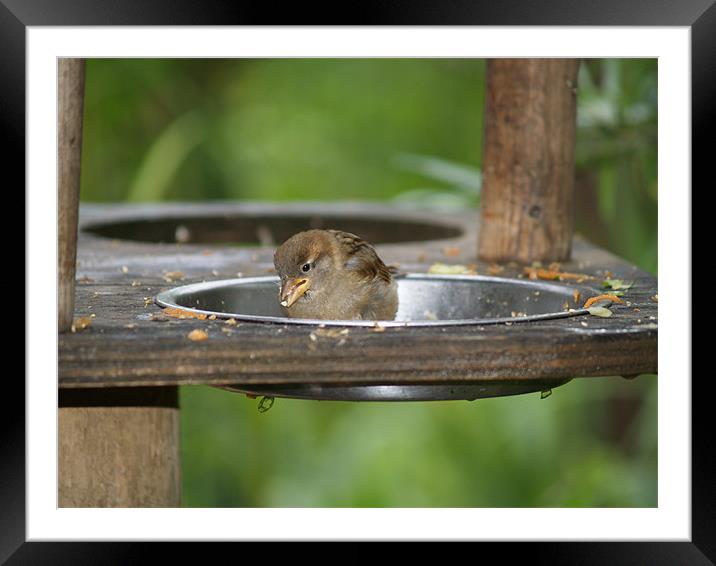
{"points": [[17, 15]]}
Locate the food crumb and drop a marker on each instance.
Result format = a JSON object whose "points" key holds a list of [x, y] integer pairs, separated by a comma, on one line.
{"points": [[610, 297], [125, 269], [443, 269], [171, 276], [80, 323], [197, 335]]}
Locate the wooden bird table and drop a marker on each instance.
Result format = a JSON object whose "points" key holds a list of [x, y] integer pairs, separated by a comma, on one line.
{"points": [[130, 344]]}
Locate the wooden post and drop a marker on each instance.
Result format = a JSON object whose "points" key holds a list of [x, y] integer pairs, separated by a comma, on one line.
{"points": [[527, 208], [71, 81], [119, 447]]}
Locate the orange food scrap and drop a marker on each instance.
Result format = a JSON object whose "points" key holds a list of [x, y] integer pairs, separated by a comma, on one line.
{"points": [[552, 274], [81, 323], [451, 251], [494, 268], [589, 302], [576, 295], [181, 313]]}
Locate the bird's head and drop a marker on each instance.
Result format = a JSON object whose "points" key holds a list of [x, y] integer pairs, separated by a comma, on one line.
{"points": [[305, 264]]}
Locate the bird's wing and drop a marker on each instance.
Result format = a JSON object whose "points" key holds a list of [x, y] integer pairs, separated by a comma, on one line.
{"points": [[361, 258]]}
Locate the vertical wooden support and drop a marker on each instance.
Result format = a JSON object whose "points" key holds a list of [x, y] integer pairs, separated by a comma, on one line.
{"points": [[527, 209], [71, 80], [119, 447]]}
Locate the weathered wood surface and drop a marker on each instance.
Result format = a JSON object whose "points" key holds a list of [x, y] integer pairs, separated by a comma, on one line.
{"points": [[125, 347], [119, 448], [71, 80], [528, 163]]}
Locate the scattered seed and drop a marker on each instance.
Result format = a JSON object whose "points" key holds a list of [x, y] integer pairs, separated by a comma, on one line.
{"points": [[600, 311]]}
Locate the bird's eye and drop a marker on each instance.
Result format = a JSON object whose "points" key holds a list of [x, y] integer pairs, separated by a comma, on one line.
{"points": [[306, 267]]}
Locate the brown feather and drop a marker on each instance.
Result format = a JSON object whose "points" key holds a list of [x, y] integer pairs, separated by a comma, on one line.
{"points": [[360, 257]]}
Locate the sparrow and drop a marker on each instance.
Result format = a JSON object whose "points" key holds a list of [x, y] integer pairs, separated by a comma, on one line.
{"points": [[330, 274]]}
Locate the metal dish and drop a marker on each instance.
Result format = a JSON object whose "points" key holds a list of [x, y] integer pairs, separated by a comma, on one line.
{"points": [[425, 300], [428, 392]]}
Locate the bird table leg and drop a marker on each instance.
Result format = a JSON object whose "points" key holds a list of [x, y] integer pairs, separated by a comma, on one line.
{"points": [[119, 447]]}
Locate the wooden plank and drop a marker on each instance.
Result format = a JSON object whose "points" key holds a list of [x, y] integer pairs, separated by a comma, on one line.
{"points": [[71, 78], [125, 347], [119, 448], [527, 200]]}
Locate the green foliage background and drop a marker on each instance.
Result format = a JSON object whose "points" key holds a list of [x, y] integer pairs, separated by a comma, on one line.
{"points": [[407, 131]]}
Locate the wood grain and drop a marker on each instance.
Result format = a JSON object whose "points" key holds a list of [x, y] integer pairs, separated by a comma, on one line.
{"points": [[119, 456], [71, 78], [528, 161]]}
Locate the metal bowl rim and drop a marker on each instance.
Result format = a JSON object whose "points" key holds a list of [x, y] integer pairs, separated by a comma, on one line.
{"points": [[168, 299]]}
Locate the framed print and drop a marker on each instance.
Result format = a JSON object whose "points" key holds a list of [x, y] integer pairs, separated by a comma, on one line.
{"points": [[231, 188]]}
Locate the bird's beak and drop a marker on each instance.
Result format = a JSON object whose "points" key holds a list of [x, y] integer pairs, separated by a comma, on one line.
{"points": [[293, 290]]}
